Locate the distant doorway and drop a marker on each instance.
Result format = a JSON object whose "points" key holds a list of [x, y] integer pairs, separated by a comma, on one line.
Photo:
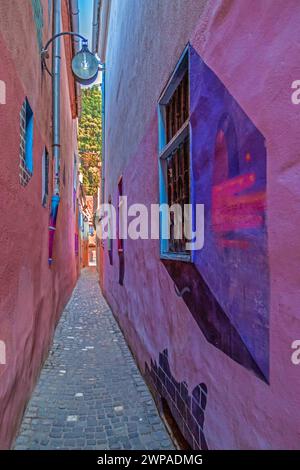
{"points": [[92, 257]]}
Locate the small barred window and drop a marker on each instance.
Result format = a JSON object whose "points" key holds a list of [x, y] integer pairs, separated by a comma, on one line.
{"points": [[26, 143], [175, 157]]}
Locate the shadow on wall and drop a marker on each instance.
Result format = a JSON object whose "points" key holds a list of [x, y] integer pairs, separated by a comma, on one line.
{"points": [[186, 410]]}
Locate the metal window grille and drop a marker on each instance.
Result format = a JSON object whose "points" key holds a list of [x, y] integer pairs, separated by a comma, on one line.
{"points": [[24, 172], [178, 161], [178, 183], [177, 110]]}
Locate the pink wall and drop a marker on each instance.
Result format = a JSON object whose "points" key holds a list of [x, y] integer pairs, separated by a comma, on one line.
{"points": [[32, 295], [252, 51]]}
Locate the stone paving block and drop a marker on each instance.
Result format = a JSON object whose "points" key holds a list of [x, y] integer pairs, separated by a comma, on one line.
{"points": [[90, 394]]}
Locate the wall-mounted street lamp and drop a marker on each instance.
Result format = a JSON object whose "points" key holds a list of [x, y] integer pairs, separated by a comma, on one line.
{"points": [[85, 65]]}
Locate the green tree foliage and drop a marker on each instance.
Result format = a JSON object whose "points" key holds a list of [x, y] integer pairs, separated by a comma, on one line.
{"points": [[90, 138]]}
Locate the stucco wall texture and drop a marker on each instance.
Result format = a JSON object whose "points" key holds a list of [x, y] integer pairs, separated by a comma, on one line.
{"points": [[32, 295], [252, 52]]}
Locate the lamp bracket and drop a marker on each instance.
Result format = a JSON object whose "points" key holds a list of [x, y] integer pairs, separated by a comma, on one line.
{"points": [[44, 50]]}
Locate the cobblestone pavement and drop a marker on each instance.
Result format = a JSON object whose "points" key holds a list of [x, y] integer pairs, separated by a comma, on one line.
{"points": [[90, 394]]}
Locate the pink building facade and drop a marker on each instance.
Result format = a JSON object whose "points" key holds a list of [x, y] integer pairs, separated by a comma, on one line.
{"points": [[213, 330], [32, 293]]}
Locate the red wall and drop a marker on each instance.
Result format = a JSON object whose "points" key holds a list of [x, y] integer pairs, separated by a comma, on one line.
{"points": [[32, 295]]}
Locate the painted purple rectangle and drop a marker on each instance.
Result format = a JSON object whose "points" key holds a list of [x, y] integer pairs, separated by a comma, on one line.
{"points": [[229, 178]]}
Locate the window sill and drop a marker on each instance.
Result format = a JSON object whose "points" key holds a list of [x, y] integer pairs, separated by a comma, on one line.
{"points": [[177, 257]]}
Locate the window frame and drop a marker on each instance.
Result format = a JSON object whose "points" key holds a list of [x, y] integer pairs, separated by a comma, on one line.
{"points": [[29, 131], [26, 149], [166, 148]]}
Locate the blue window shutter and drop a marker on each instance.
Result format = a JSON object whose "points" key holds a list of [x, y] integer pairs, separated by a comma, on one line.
{"points": [[29, 138]]}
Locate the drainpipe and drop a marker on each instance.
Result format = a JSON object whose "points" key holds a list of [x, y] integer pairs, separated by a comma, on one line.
{"points": [[96, 25], [100, 27], [56, 58], [74, 9]]}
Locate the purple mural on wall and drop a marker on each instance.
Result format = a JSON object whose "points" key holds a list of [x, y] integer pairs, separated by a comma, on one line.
{"points": [[228, 281]]}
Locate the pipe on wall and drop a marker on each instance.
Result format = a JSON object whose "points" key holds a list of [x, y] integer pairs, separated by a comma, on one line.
{"points": [[96, 25], [100, 27], [74, 9], [56, 60]]}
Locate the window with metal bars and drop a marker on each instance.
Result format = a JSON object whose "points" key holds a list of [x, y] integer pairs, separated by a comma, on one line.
{"points": [[175, 156], [26, 143]]}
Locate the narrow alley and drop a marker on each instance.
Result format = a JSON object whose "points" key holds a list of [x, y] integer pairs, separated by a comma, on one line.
{"points": [[90, 394], [149, 242]]}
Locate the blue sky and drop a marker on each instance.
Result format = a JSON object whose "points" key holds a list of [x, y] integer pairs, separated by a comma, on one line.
{"points": [[86, 19]]}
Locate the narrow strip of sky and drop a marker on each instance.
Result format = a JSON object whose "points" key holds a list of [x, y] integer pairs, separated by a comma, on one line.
{"points": [[86, 19]]}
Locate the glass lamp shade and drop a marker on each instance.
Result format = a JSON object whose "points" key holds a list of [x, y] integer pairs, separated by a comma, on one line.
{"points": [[85, 66]]}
